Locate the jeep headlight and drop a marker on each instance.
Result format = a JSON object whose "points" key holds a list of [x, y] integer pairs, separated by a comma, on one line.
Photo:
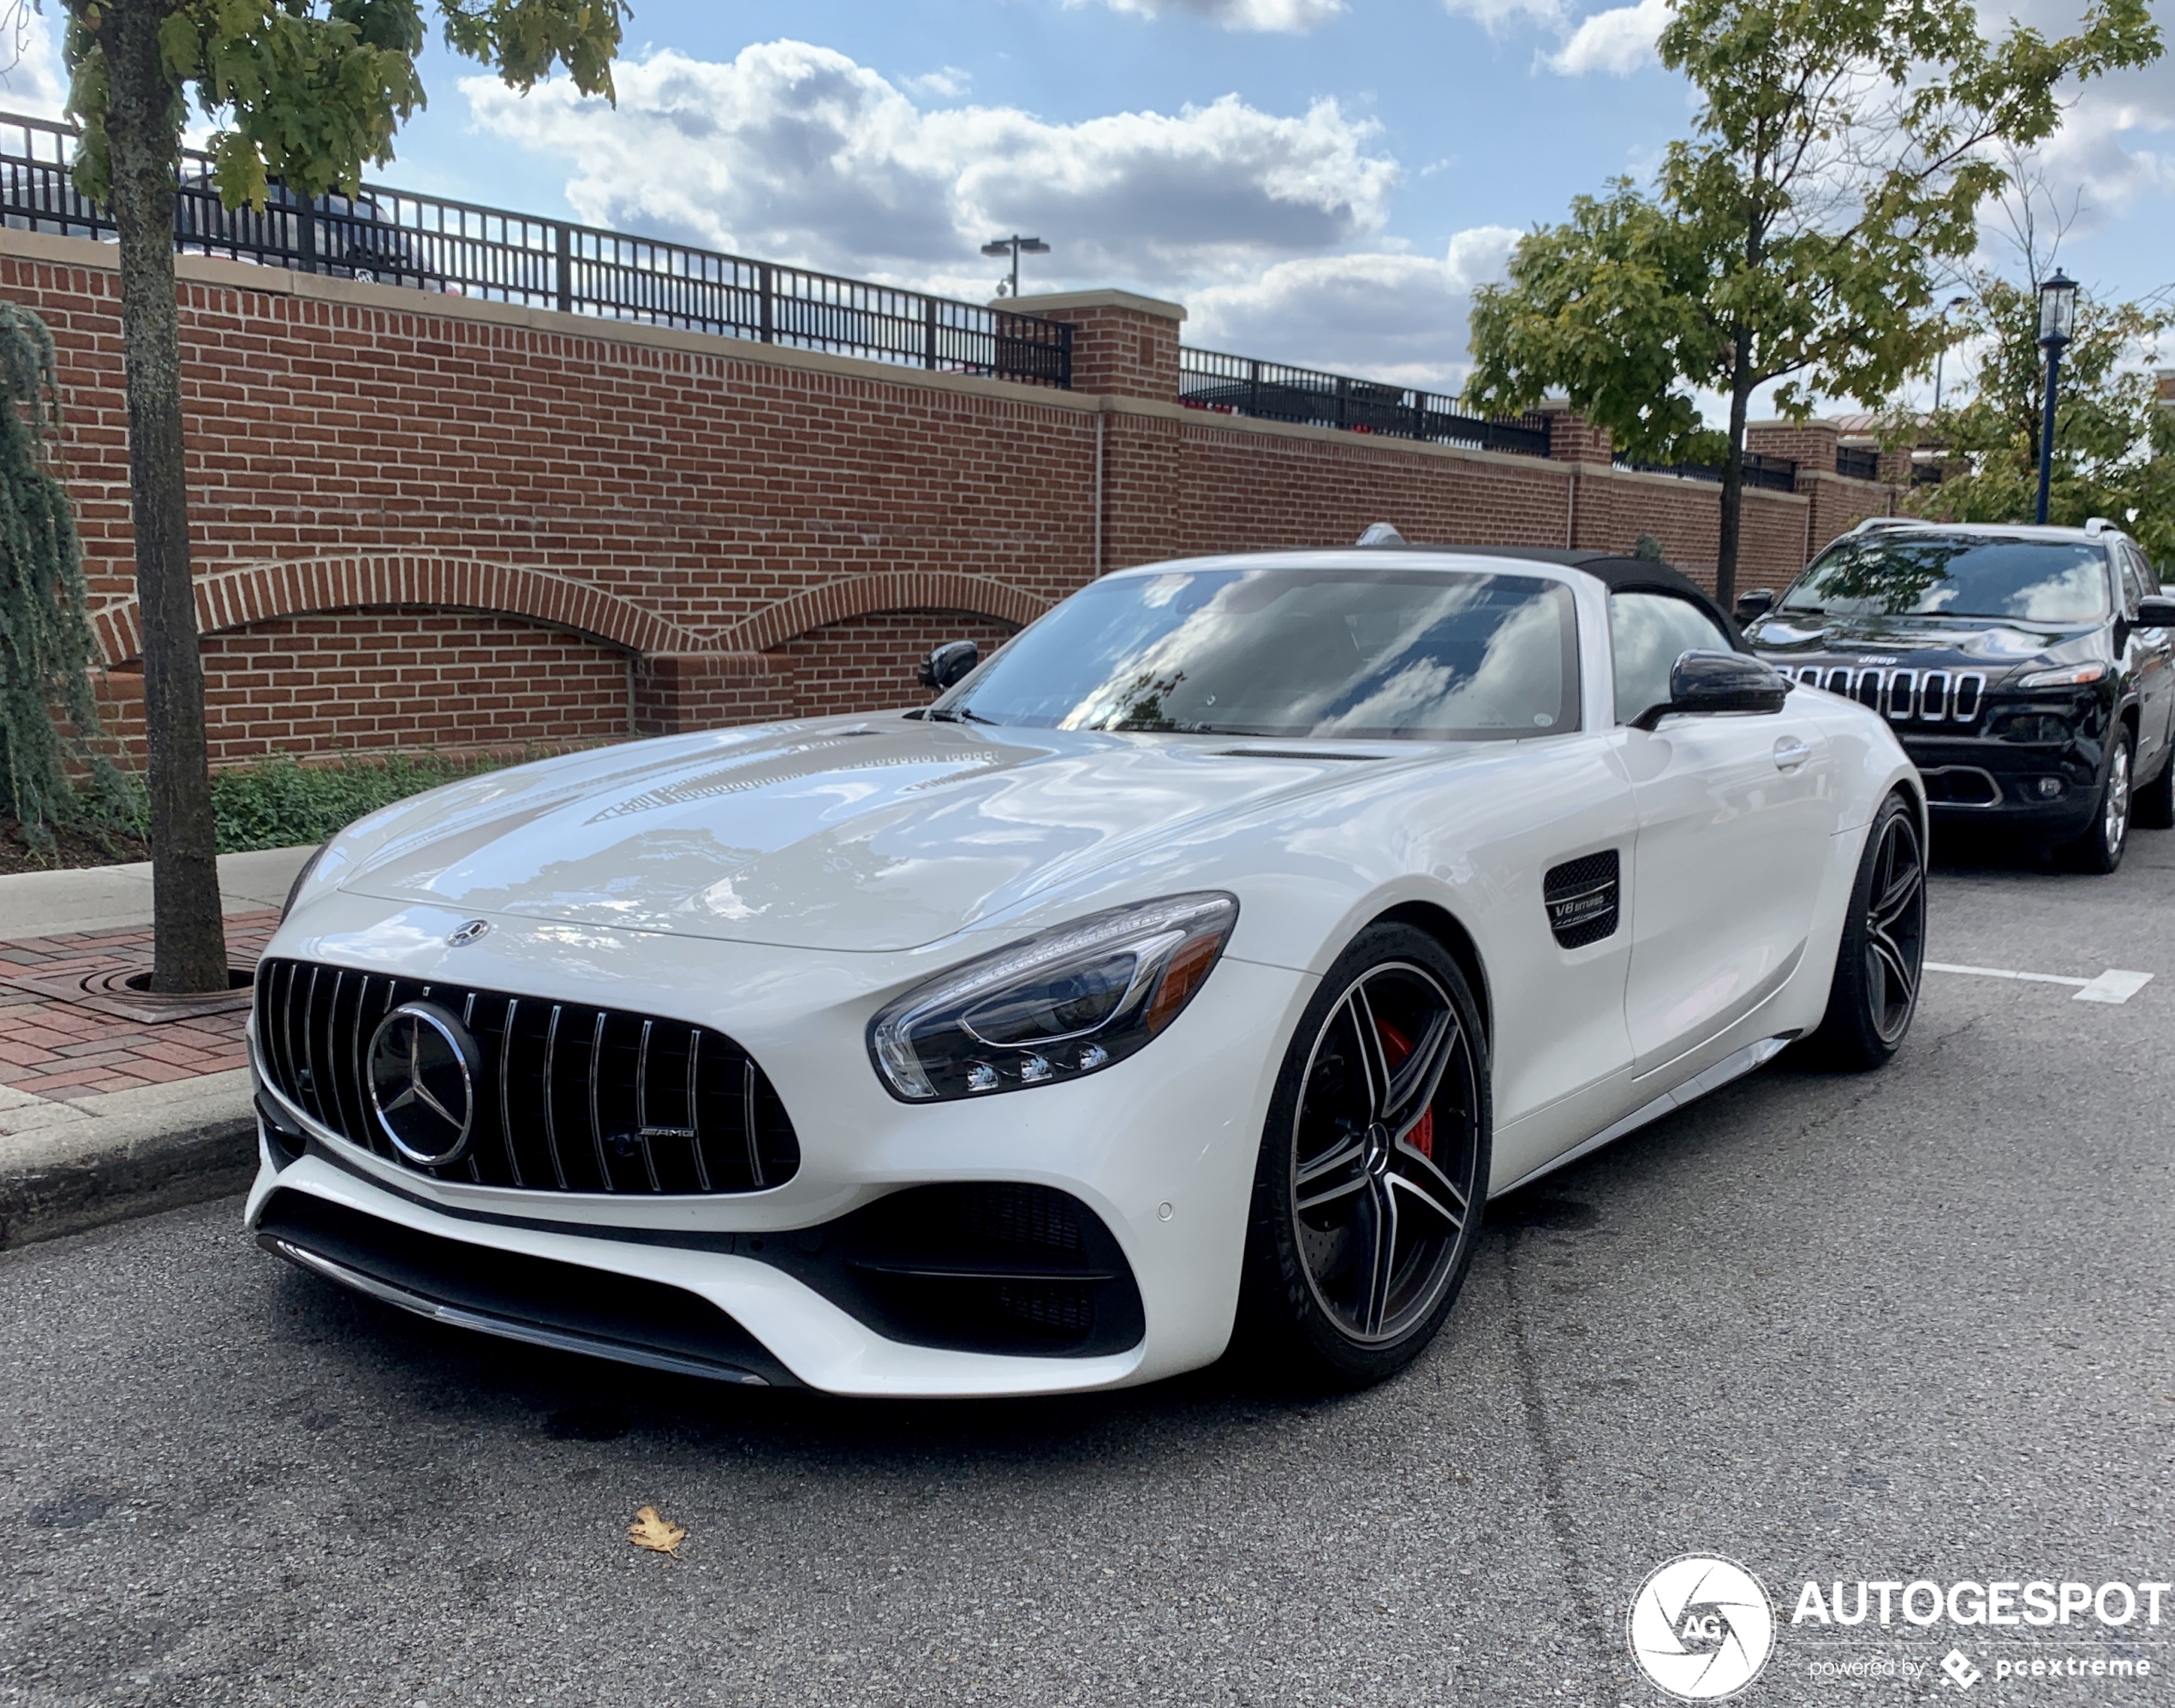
{"points": [[1053, 1006]]}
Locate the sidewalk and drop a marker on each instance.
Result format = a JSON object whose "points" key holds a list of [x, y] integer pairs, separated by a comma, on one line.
{"points": [[104, 1111]]}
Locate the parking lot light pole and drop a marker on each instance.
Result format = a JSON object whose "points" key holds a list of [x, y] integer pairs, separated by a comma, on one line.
{"points": [[1016, 245], [2056, 325]]}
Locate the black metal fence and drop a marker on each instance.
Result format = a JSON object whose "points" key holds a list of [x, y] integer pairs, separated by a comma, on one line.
{"points": [[429, 243], [1772, 473], [1857, 462], [1239, 385]]}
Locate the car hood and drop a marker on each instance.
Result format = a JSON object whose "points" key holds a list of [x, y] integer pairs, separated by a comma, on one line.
{"points": [[874, 835], [1991, 644]]}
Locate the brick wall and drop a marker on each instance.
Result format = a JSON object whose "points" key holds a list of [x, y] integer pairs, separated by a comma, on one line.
{"points": [[424, 519]]}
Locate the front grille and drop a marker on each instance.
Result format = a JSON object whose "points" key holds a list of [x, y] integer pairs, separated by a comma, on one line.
{"points": [[1582, 899], [566, 1097], [1902, 696]]}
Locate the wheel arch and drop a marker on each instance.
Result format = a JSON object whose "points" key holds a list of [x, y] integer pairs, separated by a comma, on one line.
{"points": [[1440, 924]]}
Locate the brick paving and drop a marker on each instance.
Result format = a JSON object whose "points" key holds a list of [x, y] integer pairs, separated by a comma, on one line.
{"points": [[57, 1049]]}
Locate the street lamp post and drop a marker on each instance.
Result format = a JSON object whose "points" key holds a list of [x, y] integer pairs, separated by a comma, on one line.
{"points": [[2056, 325], [1014, 246]]}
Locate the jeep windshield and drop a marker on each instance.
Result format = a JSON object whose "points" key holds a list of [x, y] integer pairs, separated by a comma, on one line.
{"points": [[1425, 654], [2030, 580]]}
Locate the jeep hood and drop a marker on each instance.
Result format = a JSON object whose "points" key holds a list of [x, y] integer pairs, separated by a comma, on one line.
{"points": [[874, 835]]}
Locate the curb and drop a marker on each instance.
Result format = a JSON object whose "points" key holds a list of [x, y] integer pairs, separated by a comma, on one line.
{"points": [[127, 1154]]}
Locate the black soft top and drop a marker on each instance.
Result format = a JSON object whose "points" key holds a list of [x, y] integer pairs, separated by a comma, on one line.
{"points": [[1613, 570]]}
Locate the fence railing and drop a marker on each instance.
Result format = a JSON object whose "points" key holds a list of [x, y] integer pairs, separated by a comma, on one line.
{"points": [[1857, 462], [1239, 385], [1771, 473], [429, 243]]}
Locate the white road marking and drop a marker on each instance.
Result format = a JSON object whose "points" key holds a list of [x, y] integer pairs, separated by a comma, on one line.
{"points": [[2114, 985]]}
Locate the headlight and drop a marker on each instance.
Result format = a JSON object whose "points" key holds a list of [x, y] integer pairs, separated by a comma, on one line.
{"points": [[2068, 676], [1052, 1007]]}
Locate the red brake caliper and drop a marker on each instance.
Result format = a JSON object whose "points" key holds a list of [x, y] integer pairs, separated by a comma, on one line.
{"points": [[1396, 1046]]}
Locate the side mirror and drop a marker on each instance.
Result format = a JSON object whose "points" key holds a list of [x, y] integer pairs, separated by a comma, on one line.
{"points": [[1756, 603], [1718, 682], [2156, 613], [948, 665]]}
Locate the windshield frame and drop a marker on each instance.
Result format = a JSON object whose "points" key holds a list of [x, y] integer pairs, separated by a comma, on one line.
{"points": [[2109, 592], [1579, 633]]}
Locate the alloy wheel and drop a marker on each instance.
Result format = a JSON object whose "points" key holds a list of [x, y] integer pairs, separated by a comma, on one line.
{"points": [[2116, 824], [1895, 932], [1384, 1152]]}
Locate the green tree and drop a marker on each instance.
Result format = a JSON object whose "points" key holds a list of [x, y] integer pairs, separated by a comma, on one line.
{"points": [[305, 92], [45, 640], [1839, 159], [2114, 445]]}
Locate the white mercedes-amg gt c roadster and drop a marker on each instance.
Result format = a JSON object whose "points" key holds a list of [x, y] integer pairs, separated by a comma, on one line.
{"points": [[1186, 977]]}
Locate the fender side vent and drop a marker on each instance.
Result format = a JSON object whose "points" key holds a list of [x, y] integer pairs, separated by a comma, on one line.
{"points": [[1582, 897]]}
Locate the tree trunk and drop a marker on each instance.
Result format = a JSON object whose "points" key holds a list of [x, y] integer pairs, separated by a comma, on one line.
{"points": [[190, 952], [1733, 479]]}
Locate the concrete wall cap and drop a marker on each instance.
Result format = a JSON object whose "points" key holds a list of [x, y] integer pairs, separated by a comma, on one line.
{"points": [[1092, 299]]}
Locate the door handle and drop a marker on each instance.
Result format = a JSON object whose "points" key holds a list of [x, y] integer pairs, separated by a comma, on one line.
{"points": [[1790, 752]]}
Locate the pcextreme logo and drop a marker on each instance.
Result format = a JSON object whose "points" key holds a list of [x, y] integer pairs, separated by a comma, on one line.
{"points": [[1701, 1627]]}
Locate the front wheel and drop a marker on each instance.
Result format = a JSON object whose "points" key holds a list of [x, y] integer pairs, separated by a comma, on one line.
{"points": [[1883, 953], [2099, 850], [1373, 1168]]}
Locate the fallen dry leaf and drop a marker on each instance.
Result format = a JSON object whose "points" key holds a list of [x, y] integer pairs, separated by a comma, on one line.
{"points": [[657, 1534]]}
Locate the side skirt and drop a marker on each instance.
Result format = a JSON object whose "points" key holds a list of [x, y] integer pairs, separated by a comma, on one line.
{"points": [[1753, 1055]]}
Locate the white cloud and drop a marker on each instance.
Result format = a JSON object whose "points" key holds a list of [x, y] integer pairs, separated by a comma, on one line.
{"points": [[1291, 17], [947, 83], [797, 153], [1618, 41], [1387, 316], [1495, 15], [31, 79]]}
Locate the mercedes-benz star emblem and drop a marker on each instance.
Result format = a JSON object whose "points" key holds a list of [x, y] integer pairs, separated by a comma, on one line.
{"points": [[422, 1083], [461, 935]]}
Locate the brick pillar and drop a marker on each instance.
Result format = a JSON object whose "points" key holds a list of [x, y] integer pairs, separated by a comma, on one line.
{"points": [[1809, 444], [1121, 344], [1573, 438]]}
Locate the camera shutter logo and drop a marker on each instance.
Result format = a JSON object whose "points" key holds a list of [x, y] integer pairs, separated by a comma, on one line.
{"points": [[422, 1083], [1701, 1627]]}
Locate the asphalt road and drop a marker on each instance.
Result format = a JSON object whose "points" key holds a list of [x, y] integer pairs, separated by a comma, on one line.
{"points": [[1912, 1326]]}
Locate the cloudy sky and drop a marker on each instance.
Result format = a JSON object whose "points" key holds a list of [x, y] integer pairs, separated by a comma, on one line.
{"points": [[1318, 180]]}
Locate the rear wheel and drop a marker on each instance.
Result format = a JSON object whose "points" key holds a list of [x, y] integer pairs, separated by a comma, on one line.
{"points": [[1373, 1168], [1883, 954], [2099, 850]]}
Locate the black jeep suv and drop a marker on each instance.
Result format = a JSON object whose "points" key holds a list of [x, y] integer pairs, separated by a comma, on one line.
{"points": [[2029, 671]]}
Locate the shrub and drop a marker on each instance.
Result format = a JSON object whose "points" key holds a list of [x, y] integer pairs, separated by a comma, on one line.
{"points": [[283, 803]]}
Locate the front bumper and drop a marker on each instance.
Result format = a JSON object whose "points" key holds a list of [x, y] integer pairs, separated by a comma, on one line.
{"points": [[1159, 1150], [2049, 789]]}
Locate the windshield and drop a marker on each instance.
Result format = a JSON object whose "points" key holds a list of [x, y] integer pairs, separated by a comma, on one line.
{"points": [[1956, 575], [1439, 655]]}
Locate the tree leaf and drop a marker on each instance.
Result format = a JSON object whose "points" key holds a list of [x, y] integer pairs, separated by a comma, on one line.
{"points": [[656, 1532]]}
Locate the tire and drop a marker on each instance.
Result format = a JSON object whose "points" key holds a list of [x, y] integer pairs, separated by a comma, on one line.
{"points": [[1882, 957], [2099, 850], [2152, 807], [1373, 1175]]}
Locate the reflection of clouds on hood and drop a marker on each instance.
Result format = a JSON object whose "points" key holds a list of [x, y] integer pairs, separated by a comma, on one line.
{"points": [[796, 152]]}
